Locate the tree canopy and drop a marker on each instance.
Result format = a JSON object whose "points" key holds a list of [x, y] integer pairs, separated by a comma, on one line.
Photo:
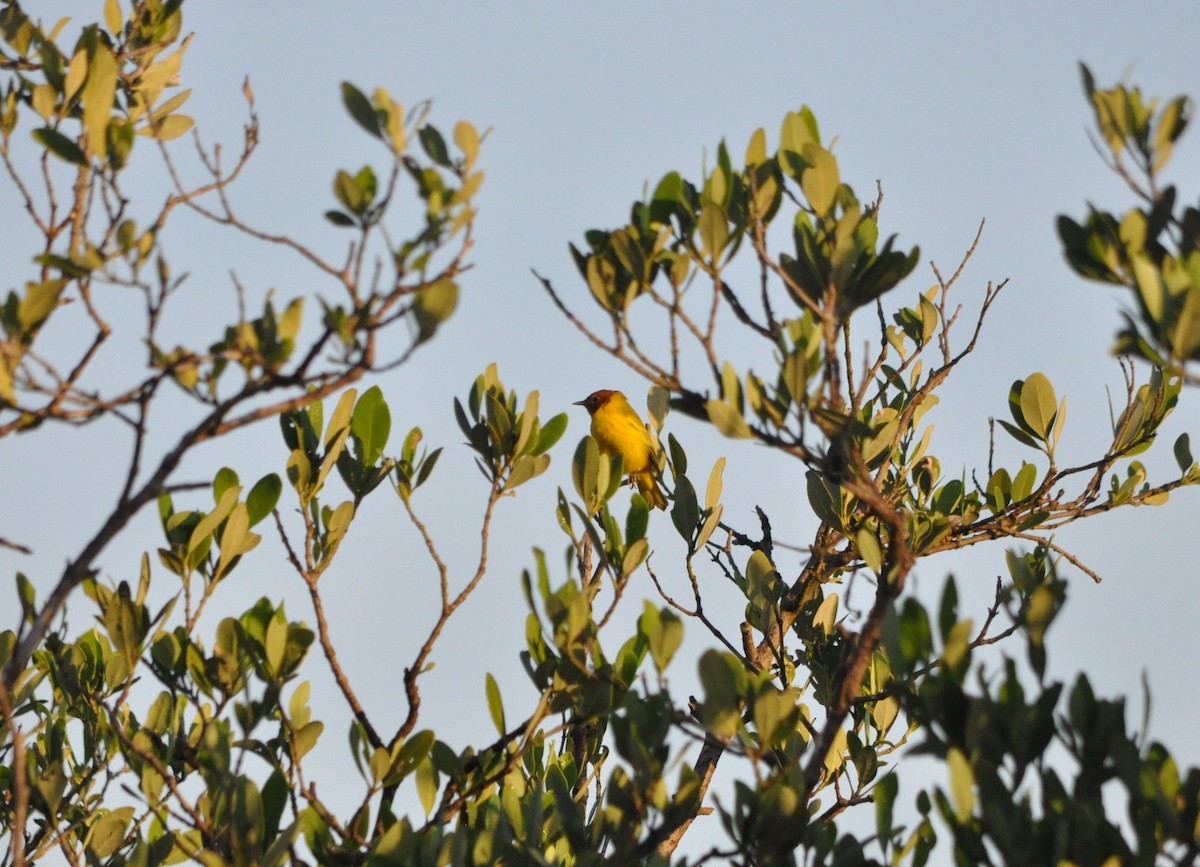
{"points": [[762, 297]]}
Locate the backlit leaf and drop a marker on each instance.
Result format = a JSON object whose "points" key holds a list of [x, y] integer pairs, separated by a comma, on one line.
{"points": [[820, 179], [1039, 404], [962, 784], [98, 95], [727, 419], [495, 704], [371, 423]]}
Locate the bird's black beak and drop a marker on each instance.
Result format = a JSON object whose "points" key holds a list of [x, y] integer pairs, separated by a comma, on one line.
{"points": [[580, 402]]}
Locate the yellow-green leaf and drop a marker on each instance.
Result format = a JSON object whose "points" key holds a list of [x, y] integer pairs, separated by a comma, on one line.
{"points": [[712, 494], [1039, 404], [169, 128], [962, 784], [113, 19], [98, 95], [714, 230], [467, 139], [43, 99], [820, 178], [727, 420], [76, 73], [495, 703]]}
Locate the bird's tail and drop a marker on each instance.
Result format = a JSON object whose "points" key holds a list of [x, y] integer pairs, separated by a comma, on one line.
{"points": [[648, 487]]}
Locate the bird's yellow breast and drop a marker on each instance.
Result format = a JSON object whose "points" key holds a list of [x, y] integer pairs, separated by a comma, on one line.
{"points": [[618, 431]]}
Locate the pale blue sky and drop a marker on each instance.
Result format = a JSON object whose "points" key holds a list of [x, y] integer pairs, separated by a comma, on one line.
{"points": [[963, 111]]}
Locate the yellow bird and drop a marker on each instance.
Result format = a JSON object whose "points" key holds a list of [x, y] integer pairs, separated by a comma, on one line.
{"points": [[618, 430]]}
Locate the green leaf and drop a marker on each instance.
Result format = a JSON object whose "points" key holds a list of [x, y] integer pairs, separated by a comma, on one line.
{"points": [[38, 303], [685, 514], [26, 593], [61, 146], [724, 681], [526, 421], [169, 128], [1018, 434], [712, 494], [107, 834], [868, 548], [760, 573], [427, 785], [341, 417], [884, 713], [1183, 453], [347, 190], [636, 520], [658, 404], [948, 608], [714, 230], [550, 433], [98, 95], [678, 456], [709, 526], [820, 179], [799, 130], [467, 139], [222, 481], [340, 219], [371, 423], [825, 499], [306, 737], [825, 617], [664, 636], [525, 468], [360, 108], [339, 523], [275, 641], [885, 797], [236, 539], [495, 704], [756, 148], [999, 490], [1023, 482], [433, 306], [584, 469], [263, 497], [1038, 405], [956, 652], [435, 146], [727, 419], [209, 523], [666, 198], [776, 714], [962, 784], [635, 554]]}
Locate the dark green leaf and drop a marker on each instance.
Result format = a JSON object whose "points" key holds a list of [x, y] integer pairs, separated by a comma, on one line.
{"points": [[434, 145], [1183, 453], [678, 456], [636, 520], [61, 146], [263, 497], [340, 219], [885, 796], [360, 108], [685, 514]]}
